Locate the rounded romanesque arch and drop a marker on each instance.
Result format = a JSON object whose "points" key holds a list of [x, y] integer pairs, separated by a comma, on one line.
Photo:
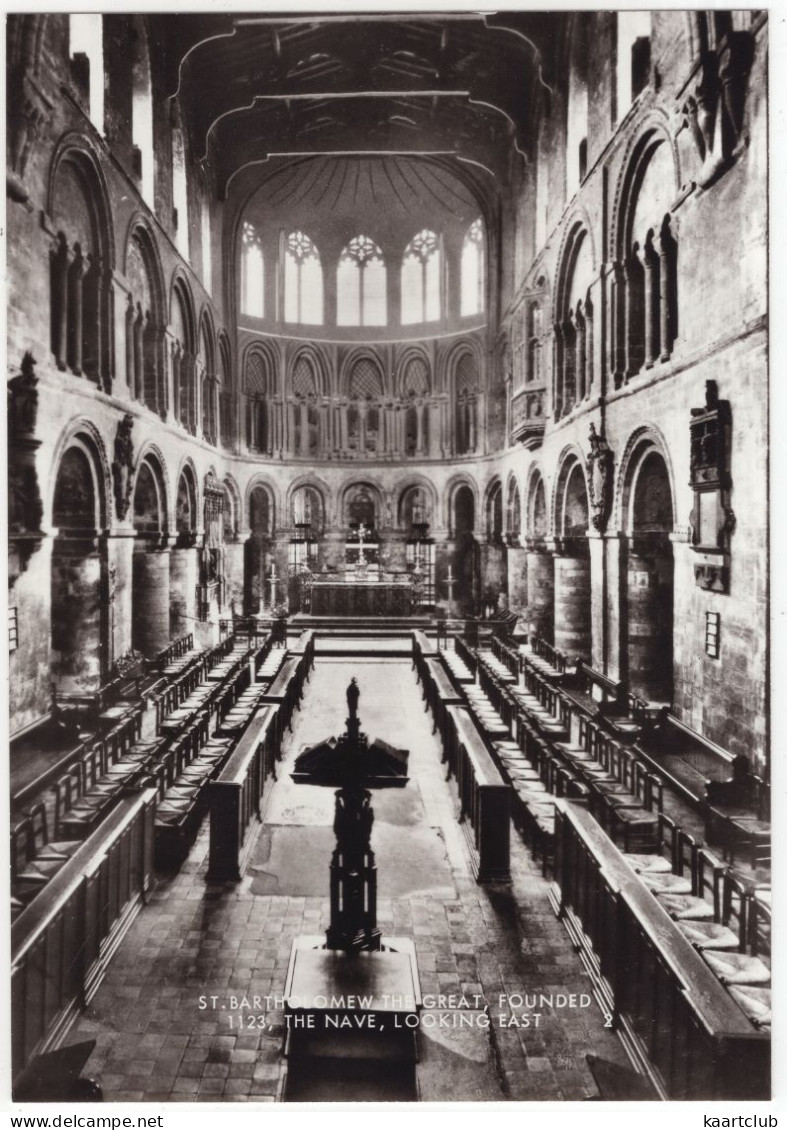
{"points": [[145, 318], [572, 597], [416, 492], [573, 328], [513, 523], [644, 247], [183, 347], [647, 510], [79, 638], [81, 261]]}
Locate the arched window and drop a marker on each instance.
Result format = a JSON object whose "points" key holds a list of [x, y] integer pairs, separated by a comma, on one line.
{"points": [[494, 514], [207, 251], [473, 264], [633, 58], [513, 513], [361, 285], [209, 389], [180, 193], [252, 272], [86, 48], [465, 405], [421, 270], [645, 307], [142, 332], [183, 363], [225, 427], [142, 113], [258, 388], [302, 281]]}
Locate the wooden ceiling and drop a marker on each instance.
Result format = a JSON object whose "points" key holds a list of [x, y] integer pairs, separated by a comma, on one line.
{"points": [[464, 86]]}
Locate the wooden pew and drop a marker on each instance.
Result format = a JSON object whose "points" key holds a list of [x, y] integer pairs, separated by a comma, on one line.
{"points": [[677, 1019], [62, 943], [484, 797], [235, 796], [440, 693], [285, 692]]}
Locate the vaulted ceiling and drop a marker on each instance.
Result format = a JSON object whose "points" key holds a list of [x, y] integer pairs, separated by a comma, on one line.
{"points": [[465, 87]]}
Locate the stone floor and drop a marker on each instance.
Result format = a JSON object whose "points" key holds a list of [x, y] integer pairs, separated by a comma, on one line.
{"points": [[167, 1027]]}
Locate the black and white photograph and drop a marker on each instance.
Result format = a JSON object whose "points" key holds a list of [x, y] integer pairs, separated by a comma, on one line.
{"points": [[389, 585]]}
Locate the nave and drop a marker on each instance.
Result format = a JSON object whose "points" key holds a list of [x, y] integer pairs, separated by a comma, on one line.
{"points": [[194, 938]]}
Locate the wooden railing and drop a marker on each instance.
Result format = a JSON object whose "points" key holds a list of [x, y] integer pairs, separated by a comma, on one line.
{"points": [[61, 944], [678, 1019], [509, 656], [440, 692], [484, 797], [549, 654], [236, 794], [466, 653], [173, 651]]}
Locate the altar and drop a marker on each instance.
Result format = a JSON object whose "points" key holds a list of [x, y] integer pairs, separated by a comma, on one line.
{"points": [[362, 598]]}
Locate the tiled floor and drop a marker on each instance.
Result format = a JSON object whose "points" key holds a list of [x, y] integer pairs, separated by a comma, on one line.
{"points": [[158, 1036]]}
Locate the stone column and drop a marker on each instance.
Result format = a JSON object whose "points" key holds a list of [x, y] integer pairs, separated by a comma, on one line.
{"points": [[362, 410], [60, 266], [131, 372], [235, 573], [599, 601], [151, 598], [540, 592], [648, 606], [119, 556], [303, 447], [76, 273], [665, 267], [77, 617], [517, 579], [572, 603], [183, 580]]}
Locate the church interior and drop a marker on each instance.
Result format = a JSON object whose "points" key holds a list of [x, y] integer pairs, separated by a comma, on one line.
{"points": [[388, 556]]}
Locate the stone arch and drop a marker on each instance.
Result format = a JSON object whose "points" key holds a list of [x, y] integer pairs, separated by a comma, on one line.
{"points": [[183, 328], [454, 484], [571, 488], [323, 492], [572, 378], [145, 316], [232, 529], [513, 519], [448, 358], [270, 360], [150, 506], [85, 434], [653, 131], [81, 262], [265, 483], [83, 153], [349, 369], [537, 505], [419, 482], [180, 291], [373, 490], [152, 452], [188, 516], [494, 510], [318, 365], [647, 511], [640, 443], [79, 622], [414, 359], [644, 247]]}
